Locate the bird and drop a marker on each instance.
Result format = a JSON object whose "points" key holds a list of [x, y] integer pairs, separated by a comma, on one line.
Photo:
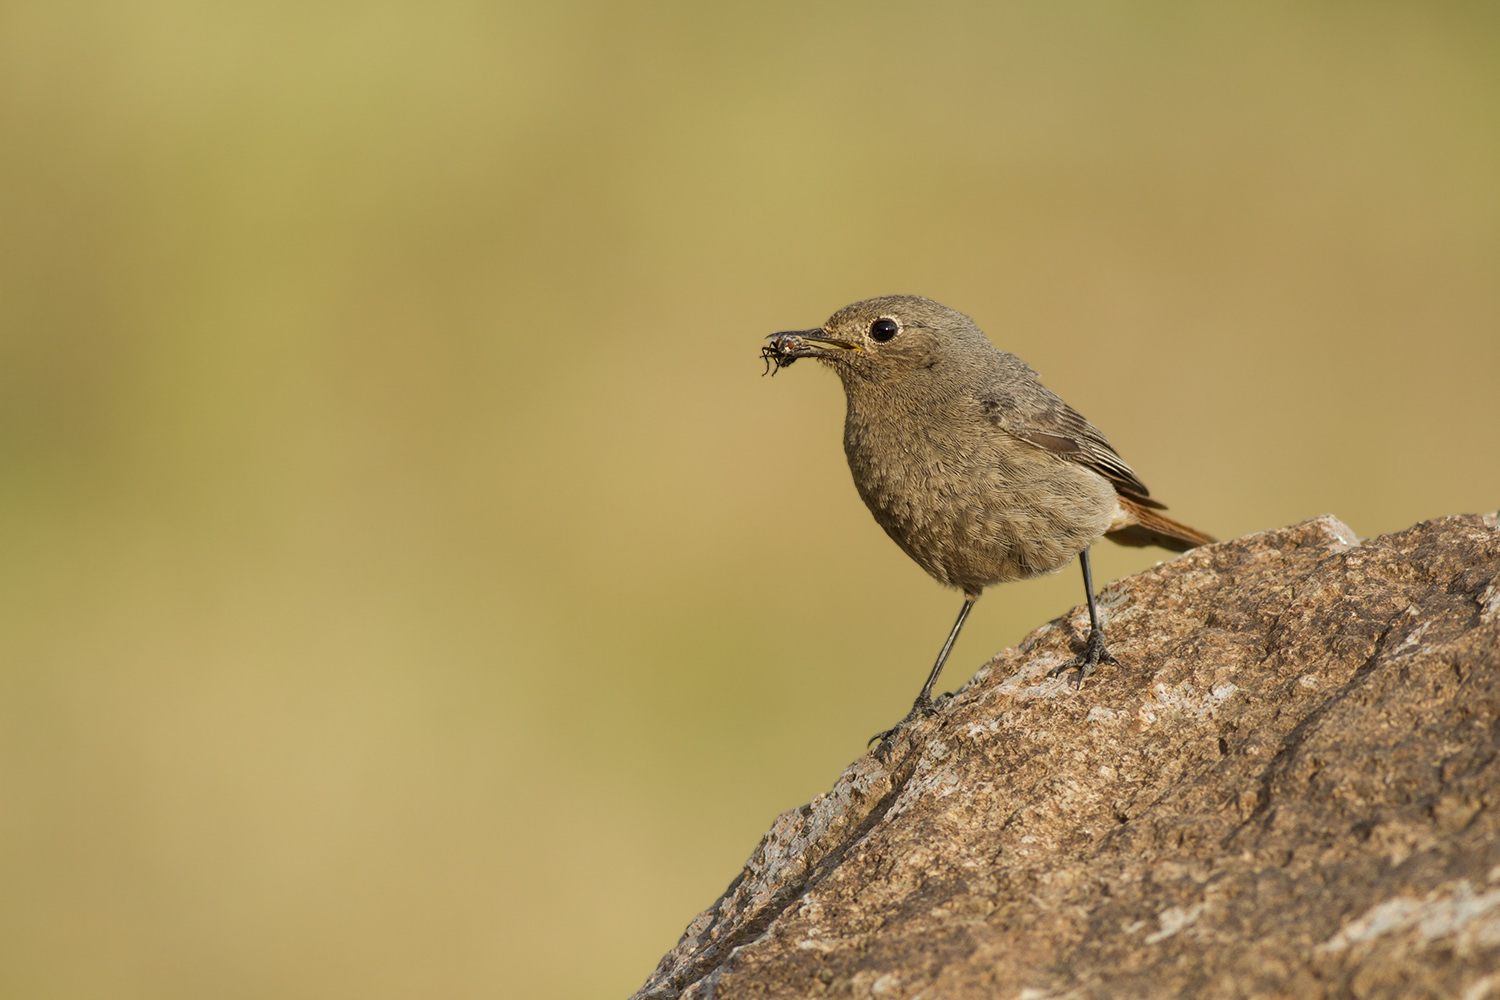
{"points": [[975, 469]]}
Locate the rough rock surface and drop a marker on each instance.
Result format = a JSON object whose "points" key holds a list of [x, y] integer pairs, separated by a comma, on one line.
{"points": [[1289, 788]]}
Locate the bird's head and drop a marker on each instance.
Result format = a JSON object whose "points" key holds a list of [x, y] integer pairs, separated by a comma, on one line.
{"points": [[892, 340]]}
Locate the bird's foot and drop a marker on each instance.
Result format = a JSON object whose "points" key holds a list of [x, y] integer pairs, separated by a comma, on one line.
{"points": [[920, 709], [1094, 654]]}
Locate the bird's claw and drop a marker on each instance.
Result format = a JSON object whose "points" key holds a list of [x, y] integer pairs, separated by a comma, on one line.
{"points": [[1093, 654], [920, 709]]}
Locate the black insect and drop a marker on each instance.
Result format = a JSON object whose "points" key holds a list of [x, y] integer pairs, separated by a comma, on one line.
{"points": [[779, 352]]}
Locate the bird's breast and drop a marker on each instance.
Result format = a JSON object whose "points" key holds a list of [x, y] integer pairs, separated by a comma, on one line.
{"points": [[971, 504]]}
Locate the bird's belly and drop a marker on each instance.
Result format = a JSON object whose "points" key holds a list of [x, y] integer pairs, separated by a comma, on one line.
{"points": [[972, 524]]}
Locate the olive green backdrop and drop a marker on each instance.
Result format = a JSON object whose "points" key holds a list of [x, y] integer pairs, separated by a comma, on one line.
{"points": [[410, 587]]}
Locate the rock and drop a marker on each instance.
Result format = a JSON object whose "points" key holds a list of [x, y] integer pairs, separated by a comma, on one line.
{"points": [[1289, 788]]}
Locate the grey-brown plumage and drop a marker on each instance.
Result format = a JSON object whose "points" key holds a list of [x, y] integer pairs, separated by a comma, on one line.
{"points": [[977, 470]]}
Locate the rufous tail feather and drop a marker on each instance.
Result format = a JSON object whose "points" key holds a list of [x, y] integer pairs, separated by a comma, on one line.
{"points": [[1144, 526]]}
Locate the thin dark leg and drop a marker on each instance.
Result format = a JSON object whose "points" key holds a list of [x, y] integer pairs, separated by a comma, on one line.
{"points": [[925, 698], [1094, 652], [923, 705], [1088, 588]]}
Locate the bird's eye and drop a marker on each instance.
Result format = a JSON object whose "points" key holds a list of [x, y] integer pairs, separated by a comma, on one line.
{"points": [[883, 329]]}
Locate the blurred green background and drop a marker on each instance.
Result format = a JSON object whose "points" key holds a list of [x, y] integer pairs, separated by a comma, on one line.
{"points": [[405, 565]]}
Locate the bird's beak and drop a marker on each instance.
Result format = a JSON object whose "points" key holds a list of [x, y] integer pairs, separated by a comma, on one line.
{"points": [[784, 348]]}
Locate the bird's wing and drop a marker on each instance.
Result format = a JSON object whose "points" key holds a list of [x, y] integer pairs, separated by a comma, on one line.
{"points": [[1045, 421]]}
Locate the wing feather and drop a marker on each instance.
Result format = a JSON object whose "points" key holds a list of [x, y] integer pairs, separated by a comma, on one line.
{"points": [[1049, 423]]}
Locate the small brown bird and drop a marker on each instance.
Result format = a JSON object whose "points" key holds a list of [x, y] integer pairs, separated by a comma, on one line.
{"points": [[969, 463]]}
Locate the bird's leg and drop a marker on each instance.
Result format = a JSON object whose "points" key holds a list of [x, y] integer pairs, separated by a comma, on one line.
{"points": [[1094, 652], [923, 705]]}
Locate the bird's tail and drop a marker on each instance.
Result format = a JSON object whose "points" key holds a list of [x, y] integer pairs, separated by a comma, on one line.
{"points": [[1141, 526]]}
